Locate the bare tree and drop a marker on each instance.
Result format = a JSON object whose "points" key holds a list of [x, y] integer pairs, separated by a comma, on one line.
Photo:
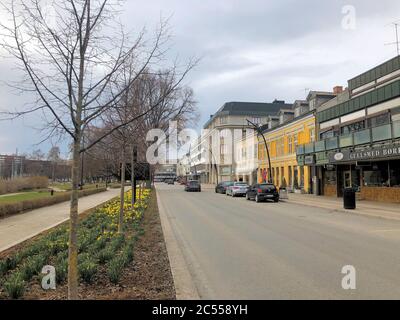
{"points": [[54, 157], [72, 60]]}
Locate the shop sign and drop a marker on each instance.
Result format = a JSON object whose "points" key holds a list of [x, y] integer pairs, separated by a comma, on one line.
{"points": [[309, 160], [369, 153]]}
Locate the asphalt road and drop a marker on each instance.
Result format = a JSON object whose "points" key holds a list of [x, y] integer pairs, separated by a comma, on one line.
{"points": [[236, 249]]}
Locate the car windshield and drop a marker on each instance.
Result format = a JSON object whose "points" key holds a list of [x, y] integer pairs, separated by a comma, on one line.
{"points": [[228, 184], [240, 184], [267, 186], [193, 183]]}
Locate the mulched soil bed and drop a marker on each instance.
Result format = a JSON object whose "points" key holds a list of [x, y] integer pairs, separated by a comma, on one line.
{"points": [[148, 277]]}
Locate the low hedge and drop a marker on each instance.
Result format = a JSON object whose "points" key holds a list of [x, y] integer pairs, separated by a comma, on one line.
{"points": [[23, 183], [7, 209]]}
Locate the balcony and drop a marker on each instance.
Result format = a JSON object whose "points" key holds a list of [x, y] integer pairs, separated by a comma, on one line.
{"points": [[362, 137], [300, 150], [332, 143], [367, 136], [396, 129], [382, 133], [319, 146], [309, 148], [346, 141]]}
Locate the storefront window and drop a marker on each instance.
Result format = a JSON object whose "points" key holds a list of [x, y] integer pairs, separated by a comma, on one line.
{"points": [[377, 175], [301, 177], [394, 173], [330, 177]]}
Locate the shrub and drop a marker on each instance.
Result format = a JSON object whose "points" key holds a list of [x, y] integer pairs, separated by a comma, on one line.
{"points": [[15, 285], [127, 254], [87, 269], [26, 205], [117, 242], [32, 266], [114, 269], [105, 255], [61, 270], [3, 267], [21, 184]]}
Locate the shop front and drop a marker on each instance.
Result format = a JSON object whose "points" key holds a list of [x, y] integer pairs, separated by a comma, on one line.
{"points": [[374, 172]]}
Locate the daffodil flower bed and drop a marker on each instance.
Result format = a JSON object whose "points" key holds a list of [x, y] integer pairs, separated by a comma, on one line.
{"points": [[99, 243]]}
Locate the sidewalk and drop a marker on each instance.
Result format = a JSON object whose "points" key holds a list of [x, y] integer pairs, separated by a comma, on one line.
{"points": [[21, 227], [364, 207], [370, 208]]}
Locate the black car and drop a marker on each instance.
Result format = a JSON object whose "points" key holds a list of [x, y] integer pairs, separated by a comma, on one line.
{"points": [[263, 192], [221, 187], [193, 185], [169, 181]]}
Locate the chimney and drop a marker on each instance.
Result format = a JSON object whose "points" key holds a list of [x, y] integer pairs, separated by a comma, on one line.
{"points": [[337, 89]]}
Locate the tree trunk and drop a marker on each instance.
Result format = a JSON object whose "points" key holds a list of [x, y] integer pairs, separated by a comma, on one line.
{"points": [[122, 200], [73, 227], [133, 181]]}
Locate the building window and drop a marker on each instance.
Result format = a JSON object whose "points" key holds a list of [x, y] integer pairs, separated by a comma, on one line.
{"points": [[312, 134], [256, 120], [330, 177], [223, 120], [377, 175], [378, 120], [357, 126], [394, 167], [290, 144], [295, 142]]}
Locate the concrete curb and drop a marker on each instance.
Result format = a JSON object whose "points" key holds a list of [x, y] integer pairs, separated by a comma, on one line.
{"points": [[185, 288], [342, 210]]}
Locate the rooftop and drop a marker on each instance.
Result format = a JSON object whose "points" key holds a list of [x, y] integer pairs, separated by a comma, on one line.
{"points": [[250, 109]]}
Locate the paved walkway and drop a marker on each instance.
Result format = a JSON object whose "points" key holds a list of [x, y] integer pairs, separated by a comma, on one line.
{"points": [[21, 227], [370, 208]]}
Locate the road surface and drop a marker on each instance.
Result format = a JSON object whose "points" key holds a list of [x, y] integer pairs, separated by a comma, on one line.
{"points": [[237, 249]]}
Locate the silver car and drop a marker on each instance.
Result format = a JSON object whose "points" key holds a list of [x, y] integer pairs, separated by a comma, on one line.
{"points": [[237, 189]]}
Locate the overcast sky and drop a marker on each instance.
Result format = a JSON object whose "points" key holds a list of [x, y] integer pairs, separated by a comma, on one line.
{"points": [[253, 50]]}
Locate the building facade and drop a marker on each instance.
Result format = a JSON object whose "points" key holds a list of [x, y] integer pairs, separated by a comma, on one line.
{"points": [[358, 132], [222, 131], [295, 126], [282, 142]]}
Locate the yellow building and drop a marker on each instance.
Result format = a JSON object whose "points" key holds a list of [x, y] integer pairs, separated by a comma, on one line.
{"points": [[282, 141]]}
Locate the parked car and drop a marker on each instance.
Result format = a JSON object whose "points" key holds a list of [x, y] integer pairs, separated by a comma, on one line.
{"points": [[193, 185], [169, 181], [263, 192], [221, 187], [237, 189]]}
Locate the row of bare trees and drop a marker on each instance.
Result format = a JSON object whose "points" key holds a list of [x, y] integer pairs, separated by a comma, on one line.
{"points": [[92, 82]]}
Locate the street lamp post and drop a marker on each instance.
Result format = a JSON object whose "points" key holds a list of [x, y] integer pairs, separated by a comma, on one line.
{"points": [[215, 161], [259, 131]]}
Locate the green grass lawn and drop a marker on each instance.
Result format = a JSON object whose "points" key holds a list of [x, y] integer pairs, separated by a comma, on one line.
{"points": [[24, 196]]}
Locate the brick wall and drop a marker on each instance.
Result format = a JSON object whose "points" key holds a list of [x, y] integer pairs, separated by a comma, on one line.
{"points": [[381, 194], [330, 190]]}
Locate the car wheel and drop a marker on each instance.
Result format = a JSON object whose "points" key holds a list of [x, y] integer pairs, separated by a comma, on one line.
{"points": [[257, 199], [247, 197], [276, 200]]}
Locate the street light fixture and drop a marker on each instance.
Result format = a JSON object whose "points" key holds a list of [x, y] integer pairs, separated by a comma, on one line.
{"points": [[215, 161], [259, 131]]}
